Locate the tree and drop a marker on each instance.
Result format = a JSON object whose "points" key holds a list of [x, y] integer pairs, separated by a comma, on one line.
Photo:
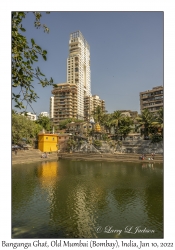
{"points": [[116, 117], [97, 144], [159, 119], [107, 122], [147, 121], [63, 123], [44, 122], [125, 126], [24, 55], [22, 127], [98, 114]]}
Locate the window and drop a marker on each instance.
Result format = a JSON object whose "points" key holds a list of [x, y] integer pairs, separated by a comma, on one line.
{"points": [[46, 138], [53, 138]]}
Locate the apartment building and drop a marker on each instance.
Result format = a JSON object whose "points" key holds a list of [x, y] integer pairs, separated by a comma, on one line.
{"points": [[78, 69], [98, 102], [79, 96], [132, 114], [30, 116], [44, 114], [65, 102], [152, 99], [90, 104]]}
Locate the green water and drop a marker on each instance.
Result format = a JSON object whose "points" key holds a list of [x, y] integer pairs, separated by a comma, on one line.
{"points": [[86, 199]]}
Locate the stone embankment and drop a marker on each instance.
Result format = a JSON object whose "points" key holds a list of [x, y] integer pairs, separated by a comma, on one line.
{"points": [[34, 155]]}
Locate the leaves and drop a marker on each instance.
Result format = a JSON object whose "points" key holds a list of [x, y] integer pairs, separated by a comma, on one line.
{"points": [[23, 58], [22, 127]]}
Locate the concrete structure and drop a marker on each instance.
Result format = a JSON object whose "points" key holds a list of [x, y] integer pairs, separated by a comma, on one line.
{"points": [[152, 99], [132, 114], [78, 69], [44, 114], [51, 107], [63, 138], [48, 142], [30, 116], [78, 102], [90, 104], [79, 128], [65, 102]]}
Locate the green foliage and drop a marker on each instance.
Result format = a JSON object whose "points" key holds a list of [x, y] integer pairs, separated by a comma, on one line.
{"points": [[22, 127], [104, 137], [146, 121], [98, 114], [24, 55], [44, 122], [159, 117], [116, 117], [97, 143], [63, 123], [107, 122], [71, 144], [151, 123], [125, 126], [156, 138]]}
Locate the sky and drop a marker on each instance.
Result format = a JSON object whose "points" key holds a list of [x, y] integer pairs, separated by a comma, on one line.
{"points": [[126, 53]]}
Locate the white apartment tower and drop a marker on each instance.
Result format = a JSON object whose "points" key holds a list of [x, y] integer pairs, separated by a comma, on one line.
{"points": [[78, 69]]}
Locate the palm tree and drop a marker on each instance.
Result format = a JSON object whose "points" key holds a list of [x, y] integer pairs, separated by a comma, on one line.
{"points": [[125, 126], [159, 119], [147, 121], [116, 118], [98, 114], [107, 122]]}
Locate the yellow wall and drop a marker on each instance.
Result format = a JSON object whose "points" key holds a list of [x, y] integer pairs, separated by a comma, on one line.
{"points": [[47, 142]]}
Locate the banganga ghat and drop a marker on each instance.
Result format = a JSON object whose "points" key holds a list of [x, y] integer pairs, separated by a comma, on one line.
{"points": [[81, 172]]}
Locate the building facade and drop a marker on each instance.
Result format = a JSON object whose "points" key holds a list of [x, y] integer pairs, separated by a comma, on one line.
{"points": [[90, 105], [152, 99], [51, 107], [30, 116], [73, 99], [44, 114], [47, 142], [78, 69], [130, 113], [65, 102]]}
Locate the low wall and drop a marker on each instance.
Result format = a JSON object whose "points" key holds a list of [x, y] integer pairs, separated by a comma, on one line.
{"points": [[141, 147]]}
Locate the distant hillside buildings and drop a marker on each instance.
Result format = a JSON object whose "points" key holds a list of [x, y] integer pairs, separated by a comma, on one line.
{"points": [[44, 114]]}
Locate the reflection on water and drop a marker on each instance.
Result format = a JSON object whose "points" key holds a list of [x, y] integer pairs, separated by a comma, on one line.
{"points": [[79, 199]]}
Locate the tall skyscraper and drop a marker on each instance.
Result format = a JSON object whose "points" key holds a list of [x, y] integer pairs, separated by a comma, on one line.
{"points": [[73, 99], [78, 69]]}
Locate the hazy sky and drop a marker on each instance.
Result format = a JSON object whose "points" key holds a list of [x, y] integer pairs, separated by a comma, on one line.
{"points": [[126, 50]]}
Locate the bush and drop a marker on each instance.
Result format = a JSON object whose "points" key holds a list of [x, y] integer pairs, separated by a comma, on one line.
{"points": [[97, 143], [156, 138]]}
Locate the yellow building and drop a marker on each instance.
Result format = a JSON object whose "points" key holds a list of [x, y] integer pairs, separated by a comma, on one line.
{"points": [[47, 142]]}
